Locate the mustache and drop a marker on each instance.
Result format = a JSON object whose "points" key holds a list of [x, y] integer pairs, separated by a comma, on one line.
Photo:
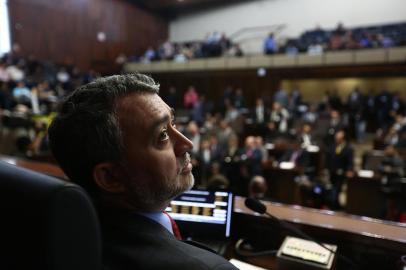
{"points": [[185, 160]]}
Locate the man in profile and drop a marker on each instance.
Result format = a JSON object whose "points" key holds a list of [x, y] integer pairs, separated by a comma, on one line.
{"points": [[117, 139]]}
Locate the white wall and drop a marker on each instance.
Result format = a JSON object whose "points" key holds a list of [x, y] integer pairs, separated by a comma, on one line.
{"points": [[4, 28], [298, 15]]}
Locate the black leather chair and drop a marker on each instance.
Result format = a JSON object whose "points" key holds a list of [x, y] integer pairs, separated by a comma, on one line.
{"points": [[46, 223]]}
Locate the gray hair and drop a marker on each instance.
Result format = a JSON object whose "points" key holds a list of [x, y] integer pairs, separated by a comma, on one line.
{"points": [[86, 131]]}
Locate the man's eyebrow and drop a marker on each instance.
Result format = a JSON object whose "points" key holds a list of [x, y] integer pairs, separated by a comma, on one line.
{"points": [[159, 122], [172, 113]]}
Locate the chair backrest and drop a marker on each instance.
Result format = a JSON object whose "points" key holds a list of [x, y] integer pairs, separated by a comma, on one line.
{"points": [[46, 223], [372, 160]]}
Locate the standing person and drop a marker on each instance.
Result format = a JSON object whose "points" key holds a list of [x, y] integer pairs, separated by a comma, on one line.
{"points": [[116, 138], [190, 98], [282, 97], [239, 99], [172, 98], [340, 164], [260, 115], [270, 44], [356, 113], [383, 103], [279, 117], [335, 123]]}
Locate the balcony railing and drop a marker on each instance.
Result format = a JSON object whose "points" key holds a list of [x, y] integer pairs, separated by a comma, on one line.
{"points": [[343, 58]]}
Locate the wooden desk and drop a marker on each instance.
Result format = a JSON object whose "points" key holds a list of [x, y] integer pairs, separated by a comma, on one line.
{"points": [[376, 244], [277, 149], [361, 191], [41, 167], [281, 184]]}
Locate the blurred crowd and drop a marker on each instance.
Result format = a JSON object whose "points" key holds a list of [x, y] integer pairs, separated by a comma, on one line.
{"points": [[237, 144], [29, 92], [319, 40], [312, 42], [215, 44]]}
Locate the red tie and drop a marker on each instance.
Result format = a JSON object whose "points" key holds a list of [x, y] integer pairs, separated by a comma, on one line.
{"points": [[175, 227]]}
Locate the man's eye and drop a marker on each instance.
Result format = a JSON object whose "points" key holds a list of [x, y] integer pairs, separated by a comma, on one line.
{"points": [[163, 136]]}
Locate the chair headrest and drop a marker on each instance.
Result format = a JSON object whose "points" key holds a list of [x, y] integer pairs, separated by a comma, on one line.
{"points": [[46, 223]]}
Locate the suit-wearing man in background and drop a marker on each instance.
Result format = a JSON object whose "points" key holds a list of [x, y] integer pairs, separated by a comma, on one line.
{"points": [[297, 155], [116, 138], [340, 164]]}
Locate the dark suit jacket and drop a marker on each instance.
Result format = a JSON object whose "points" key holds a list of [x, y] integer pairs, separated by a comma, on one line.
{"points": [[132, 241], [342, 161], [265, 116]]}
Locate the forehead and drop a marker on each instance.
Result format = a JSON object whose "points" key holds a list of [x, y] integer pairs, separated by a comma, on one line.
{"points": [[139, 110]]}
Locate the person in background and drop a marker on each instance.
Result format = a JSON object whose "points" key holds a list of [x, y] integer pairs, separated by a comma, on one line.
{"points": [[204, 160], [311, 115], [231, 163], [193, 134], [150, 54], [217, 180], [22, 94], [270, 45], [190, 98], [239, 99], [305, 136], [199, 110], [260, 115], [297, 155], [282, 97], [340, 165], [356, 113], [257, 188], [383, 104], [252, 157], [225, 132], [172, 98], [4, 76], [335, 123], [279, 117]]}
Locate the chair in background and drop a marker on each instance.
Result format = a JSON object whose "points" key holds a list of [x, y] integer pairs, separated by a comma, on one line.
{"points": [[46, 223]]}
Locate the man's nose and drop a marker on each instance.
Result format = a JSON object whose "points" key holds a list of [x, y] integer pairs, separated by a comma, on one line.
{"points": [[181, 143]]}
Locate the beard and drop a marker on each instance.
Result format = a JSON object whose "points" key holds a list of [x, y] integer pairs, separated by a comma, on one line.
{"points": [[146, 195]]}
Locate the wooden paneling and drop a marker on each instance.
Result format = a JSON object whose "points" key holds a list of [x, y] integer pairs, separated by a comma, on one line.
{"points": [[361, 192], [213, 82], [65, 31]]}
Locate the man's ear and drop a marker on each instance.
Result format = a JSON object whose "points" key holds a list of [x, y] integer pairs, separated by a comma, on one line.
{"points": [[107, 177]]}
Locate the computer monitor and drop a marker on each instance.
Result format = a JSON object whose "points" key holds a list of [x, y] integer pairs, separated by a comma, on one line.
{"points": [[203, 214]]}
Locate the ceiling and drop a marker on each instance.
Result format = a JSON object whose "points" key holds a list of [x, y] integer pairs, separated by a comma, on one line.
{"points": [[172, 8]]}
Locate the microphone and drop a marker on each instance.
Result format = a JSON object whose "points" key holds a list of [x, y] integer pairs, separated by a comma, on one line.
{"points": [[255, 205], [258, 207]]}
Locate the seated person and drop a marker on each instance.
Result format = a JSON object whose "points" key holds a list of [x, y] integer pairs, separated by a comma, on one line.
{"points": [[22, 94], [305, 136], [217, 180], [392, 164], [116, 138], [297, 155], [257, 188]]}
